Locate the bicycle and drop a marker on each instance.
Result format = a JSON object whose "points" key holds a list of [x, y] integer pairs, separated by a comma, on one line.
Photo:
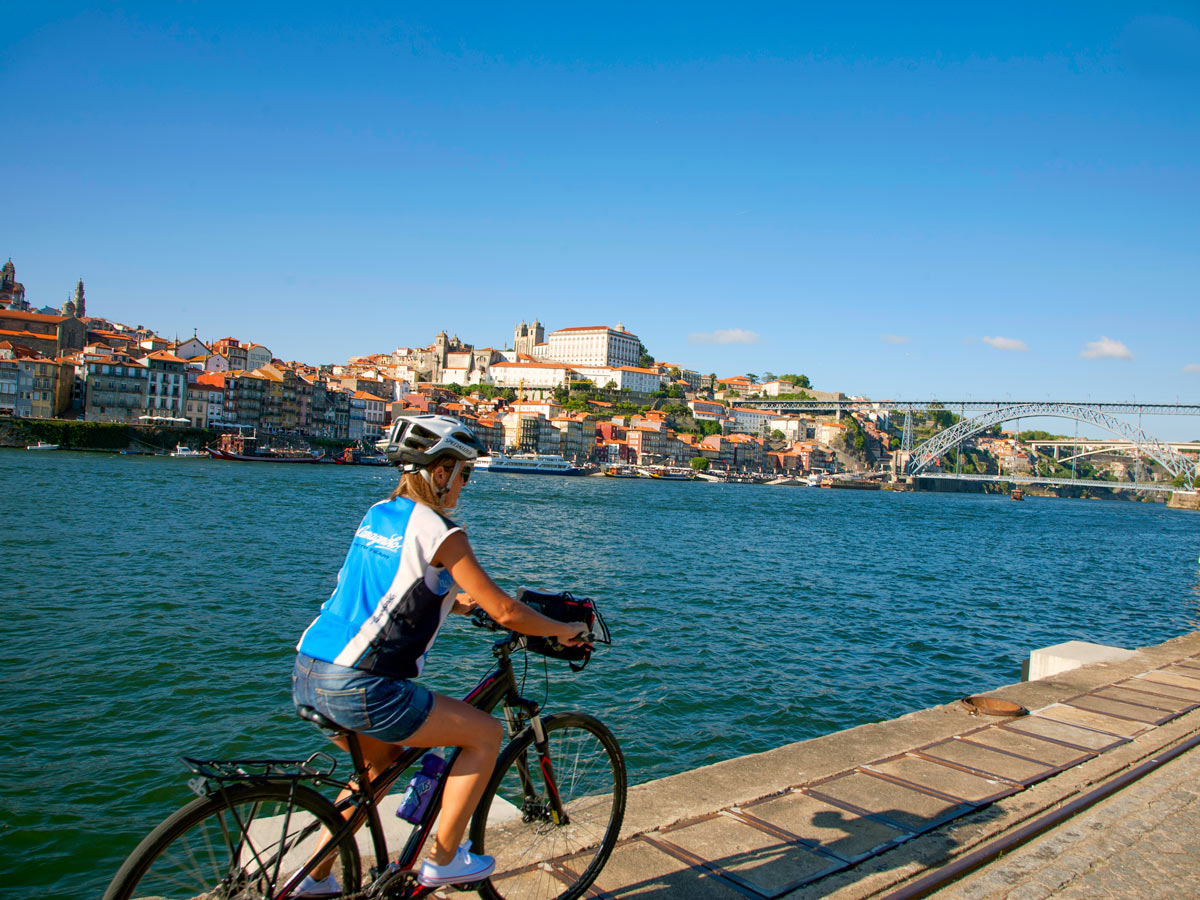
{"points": [[550, 815]]}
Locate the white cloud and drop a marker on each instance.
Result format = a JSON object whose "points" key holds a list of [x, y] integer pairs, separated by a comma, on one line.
{"points": [[724, 336], [1106, 348], [1003, 343], [1192, 367], [896, 338]]}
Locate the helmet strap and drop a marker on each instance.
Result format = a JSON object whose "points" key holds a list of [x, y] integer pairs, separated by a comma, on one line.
{"points": [[444, 492]]}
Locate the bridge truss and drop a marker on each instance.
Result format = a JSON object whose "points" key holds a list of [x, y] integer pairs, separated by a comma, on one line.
{"points": [[934, 448]]}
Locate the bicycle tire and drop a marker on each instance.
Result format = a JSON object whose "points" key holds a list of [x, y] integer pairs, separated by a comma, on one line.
{"points": [[201, 851], [535, 857]]}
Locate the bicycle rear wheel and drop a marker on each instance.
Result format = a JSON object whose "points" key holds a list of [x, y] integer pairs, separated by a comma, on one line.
{"points": [[537, 857], [240, 844]]}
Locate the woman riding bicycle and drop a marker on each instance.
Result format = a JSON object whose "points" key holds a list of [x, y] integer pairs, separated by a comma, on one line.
{"points": [[356, 661]]}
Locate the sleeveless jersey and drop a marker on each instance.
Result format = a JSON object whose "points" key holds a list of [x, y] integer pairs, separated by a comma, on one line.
{"points": [[390, 601]]}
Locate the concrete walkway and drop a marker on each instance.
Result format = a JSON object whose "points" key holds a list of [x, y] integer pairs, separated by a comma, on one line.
{"points": [[1140, 844], [863, 812]]}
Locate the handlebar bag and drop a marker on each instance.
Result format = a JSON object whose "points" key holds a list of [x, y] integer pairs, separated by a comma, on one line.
{"points": [[564, 607]]}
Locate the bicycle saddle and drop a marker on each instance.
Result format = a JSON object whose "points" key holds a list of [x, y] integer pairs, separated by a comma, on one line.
{"points": [[311, 715]]}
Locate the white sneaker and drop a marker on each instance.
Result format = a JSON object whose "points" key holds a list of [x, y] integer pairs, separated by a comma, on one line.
{"points": [[310, 888], [463, 869]]}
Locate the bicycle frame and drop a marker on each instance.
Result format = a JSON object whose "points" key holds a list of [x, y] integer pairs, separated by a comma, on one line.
{"points": [[498, 687]]}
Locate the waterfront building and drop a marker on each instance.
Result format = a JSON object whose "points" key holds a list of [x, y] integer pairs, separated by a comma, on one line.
{"points": [[304, 402], [44, 387], [244, 396], [116, 389], [576, 435], [8, 383], [528, 431], [166, 384], [375, 412], [12, 292], [213, 384]]}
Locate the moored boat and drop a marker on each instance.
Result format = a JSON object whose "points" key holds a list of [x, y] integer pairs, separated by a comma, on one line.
{"points": [[41, 445], [182, 451], [353, 456], [526, 464], [672, 473], [622, 472], [244, 448], [1017, 494]]}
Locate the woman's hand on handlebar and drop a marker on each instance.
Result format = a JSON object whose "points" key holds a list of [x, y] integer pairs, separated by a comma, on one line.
{"points": [[573, 634], [463, 604]]}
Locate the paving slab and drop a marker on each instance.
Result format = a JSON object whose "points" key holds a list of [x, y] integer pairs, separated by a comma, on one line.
{"points": [[847, 835], [1073, 714]]}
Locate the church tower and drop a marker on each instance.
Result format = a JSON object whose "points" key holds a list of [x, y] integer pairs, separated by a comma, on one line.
{"points": [[12, 292], [80, 309]]}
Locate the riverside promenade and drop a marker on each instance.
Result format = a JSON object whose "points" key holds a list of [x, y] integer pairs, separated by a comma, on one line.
{"points": [[883, 809]]}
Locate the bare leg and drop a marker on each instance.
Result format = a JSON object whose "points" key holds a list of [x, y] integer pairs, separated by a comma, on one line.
{"points": [[453, 723]]}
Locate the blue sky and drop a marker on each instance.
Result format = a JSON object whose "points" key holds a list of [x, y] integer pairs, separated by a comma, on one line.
{"points": [[939, 202]]}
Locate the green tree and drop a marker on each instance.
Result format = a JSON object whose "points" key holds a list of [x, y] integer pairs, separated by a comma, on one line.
{"points": [[699, 463], [800, 381], [645, 360]]}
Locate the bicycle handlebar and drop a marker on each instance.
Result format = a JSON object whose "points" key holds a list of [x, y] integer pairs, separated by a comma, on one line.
{"points": [[481, 619]]}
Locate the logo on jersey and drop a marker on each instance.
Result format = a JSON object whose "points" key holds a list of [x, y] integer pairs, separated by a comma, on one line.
{"points": [[391, 543]]}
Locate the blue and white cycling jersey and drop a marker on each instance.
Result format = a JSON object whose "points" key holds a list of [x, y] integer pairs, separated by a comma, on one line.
{"points": [[390, 601]]}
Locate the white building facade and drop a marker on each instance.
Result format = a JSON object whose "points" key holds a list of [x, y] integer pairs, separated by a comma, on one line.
{"points": [[592, 346]]}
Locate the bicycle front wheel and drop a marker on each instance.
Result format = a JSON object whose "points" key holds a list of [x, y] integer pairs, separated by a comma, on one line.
{"points": [[243, 843], [545, 849]]}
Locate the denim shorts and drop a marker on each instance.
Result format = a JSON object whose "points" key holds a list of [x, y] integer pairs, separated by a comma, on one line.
{"points": [[388, 709]]}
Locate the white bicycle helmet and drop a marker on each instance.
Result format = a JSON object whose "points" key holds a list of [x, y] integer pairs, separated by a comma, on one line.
{"points": [[414, 442]]}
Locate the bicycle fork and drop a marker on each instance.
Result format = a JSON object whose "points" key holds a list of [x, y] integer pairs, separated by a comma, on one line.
{"points": [[557, 813]]}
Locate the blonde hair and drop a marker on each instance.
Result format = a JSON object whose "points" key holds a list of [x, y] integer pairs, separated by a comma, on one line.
{"points": [[414, 486]]}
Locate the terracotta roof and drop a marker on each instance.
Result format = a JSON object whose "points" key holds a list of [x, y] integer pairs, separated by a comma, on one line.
{"points": [[29, 317]]}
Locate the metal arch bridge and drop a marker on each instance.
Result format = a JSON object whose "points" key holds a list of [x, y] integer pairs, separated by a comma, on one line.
{"points": [[1169, 458]]}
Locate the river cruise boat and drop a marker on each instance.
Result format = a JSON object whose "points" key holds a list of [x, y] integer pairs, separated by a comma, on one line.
{"points": [[182, 451], [622, 472], [526, 464], [244, 448], [1017, 494], [672, 473], [41, 445]]}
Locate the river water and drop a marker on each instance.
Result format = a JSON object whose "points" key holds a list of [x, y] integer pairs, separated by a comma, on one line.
{"points": [[150, 608]]}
